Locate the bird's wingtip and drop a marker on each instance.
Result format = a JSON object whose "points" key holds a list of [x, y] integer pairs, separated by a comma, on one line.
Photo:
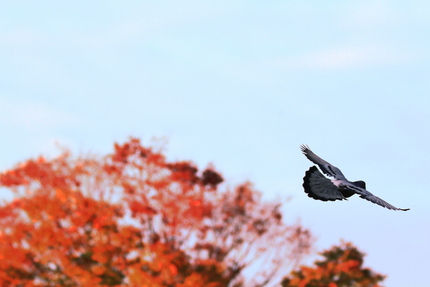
{"points": [[304, 147]]}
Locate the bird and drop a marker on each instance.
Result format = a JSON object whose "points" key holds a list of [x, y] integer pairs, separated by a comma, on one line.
{"points": [[318, 186]]}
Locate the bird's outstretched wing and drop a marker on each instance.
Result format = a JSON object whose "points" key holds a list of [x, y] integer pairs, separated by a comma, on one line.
{"points": [[317, 186], [365, 194], [326, 167]]}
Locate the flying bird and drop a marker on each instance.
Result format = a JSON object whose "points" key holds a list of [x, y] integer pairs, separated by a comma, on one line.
{"points": [[317, 186]]}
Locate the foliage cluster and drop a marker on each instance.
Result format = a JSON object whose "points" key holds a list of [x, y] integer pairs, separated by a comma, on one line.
{"points": [[133, 218]]}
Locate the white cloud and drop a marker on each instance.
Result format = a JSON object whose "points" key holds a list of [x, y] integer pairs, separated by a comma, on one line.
{"points": [[33, 116], [348, 57], [19, 38], [369, 13]]}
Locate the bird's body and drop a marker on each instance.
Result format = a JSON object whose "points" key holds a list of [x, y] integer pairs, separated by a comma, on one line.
{"points": [[317, 186], [336, 182]]}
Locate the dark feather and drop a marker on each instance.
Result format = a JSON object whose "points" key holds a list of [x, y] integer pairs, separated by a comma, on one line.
{"points": [[317, 186]]}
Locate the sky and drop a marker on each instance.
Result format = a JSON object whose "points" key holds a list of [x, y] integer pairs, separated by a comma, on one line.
{"points": [[240, 85]]}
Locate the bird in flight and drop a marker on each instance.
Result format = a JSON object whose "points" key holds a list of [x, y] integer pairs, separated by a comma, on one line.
{"points": [[317, 186]]}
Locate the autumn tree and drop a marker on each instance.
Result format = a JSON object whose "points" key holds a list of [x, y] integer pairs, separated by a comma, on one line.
{"points": [[342, 266], [133, 218]]}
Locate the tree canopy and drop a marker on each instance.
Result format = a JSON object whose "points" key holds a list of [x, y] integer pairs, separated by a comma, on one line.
{"points": [[342, 266], [133, 218]]}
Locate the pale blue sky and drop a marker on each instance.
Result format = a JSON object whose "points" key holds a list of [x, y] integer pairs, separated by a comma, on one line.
{"points": [[240, 85]]}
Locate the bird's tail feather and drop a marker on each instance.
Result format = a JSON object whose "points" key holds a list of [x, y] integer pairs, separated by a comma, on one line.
{"points": [[317, 186]]}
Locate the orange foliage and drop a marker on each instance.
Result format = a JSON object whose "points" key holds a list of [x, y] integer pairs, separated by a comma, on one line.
{"points": [[132, 218], [341, 267]]}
